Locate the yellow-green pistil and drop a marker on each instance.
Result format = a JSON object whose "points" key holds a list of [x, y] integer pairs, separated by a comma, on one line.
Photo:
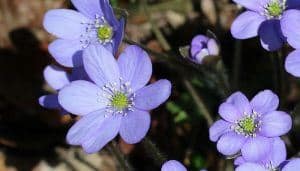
{"points": [[119, 101], [275, 8], [248, 125], [105, 32]]}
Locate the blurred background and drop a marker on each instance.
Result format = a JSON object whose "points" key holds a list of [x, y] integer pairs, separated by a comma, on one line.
{"points": [[33, 138]]}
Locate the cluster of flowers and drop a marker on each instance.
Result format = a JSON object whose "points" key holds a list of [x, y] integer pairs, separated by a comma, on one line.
{"points": [[110, 96], [276, 22]]}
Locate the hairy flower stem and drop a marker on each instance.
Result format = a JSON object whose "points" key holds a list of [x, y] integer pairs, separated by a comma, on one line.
{"points": [[113, 148], [153, 152], [199, 102]]}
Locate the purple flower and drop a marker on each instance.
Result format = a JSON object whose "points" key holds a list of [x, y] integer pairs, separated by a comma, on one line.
{"points": [[173, 165], [56, 77], [95, 23], [292, 63], [291, 25], [262, 18], [203, 46], [117, 102], [276, 156], [249, 126], [291, 165]]}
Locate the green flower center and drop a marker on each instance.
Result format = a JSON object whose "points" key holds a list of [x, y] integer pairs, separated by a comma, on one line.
{"points": [[105, 32], [119, 101], [275, 8], [248, 125]]}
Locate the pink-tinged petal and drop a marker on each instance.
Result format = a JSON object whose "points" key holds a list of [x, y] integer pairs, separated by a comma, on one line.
{"points": [[135, 67], [66, 52], [290, 25], [49, 101], [239, 161], [213, 47], [275, 124], [173, 165], [82, 97], [135, 126], [101, 134], [90, 8], [56, 77], [246, 25], [219, 128], [153, 95], [230, 143], [256, 148], [64, 23], [264, 102], [251, 167], [271, 37], [278, 153], [100, 65], [254, 5], [229, 112], [292, 63], [292, 165], [240, 101]]}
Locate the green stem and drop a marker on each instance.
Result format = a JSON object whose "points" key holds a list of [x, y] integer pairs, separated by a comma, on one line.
{"points": [[153, 152], [113, 148]]}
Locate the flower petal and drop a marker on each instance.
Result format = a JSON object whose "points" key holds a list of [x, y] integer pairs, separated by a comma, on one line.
{"points": [[119, 34], [90, 8], [197, 44], [292, 165], [240, 101], [173, 165], [153, 95], [246, 25], [256, 148], [290, 25], [229, 112], [56, 77], [79, 73], [219, 128], [271, 37], [64, 23], [101, 65], [254, 5], [49, 101], [292, 63], [66, 52], [250, 167], [275, 124], [278, 154], [135, 126], [264, 102], [108, 13], [82, 97], [239, 161], [213, 47], [230, 143], [135, 67], [293, 4]]}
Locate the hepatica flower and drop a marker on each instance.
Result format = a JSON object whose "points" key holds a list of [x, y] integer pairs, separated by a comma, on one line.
{"points": [[93, 23], [248, 127], [117, 101], [203, 46], [173, 165], [262, 18]]}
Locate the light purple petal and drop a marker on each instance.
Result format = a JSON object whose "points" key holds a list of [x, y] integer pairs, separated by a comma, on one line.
{"points": [[49, 101], [292, 165], [278, 153], [254, 5], [256, 149], [88, 7], [135, 126], [64, 23], [250, 167], [173, 165], [275, 124], [246, 25], [219, 128], [101, 65], [270, 34], [119, 34], [66, 52], [197, 44], [229, 112], [292, 63], [290, 25], [230, 143], [56, 77], [213, 47], [240, 101], [264, 102], [101, 134], [239, 161], [153, 95], [82, 97]]}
